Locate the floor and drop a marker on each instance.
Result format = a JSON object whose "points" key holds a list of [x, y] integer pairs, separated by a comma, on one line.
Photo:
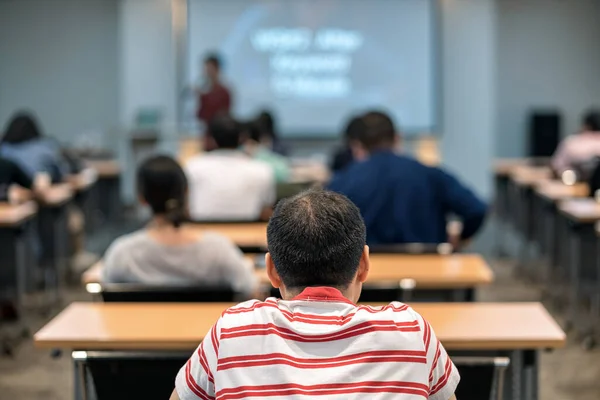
{"points": [[570, 373]]}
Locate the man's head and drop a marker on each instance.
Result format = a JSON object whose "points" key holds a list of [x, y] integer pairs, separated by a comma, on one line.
{"points": [[377, 132], [212, 67], [225, 132], [591, 121], [317, 238]]}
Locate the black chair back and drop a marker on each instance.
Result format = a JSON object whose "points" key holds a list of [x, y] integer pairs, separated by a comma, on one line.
{"points": [[481, 378], [125, 376], [412, 248], [167, 294]]}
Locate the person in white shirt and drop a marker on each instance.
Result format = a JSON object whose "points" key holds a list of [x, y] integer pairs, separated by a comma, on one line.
{"points": [[578, 149], [226, 184]]}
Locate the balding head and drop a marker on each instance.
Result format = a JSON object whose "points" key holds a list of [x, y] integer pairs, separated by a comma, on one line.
{"points": [[316, 238]]}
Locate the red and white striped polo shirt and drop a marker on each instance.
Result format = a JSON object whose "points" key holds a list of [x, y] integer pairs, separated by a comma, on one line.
{"points": [[318, 344]]}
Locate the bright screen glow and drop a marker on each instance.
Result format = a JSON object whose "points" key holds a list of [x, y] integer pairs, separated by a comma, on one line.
{"points": [[315, 62]]}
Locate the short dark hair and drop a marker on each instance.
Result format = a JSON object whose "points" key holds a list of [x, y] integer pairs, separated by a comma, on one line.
{"points": [[21, 128], [163, 185], [316, 238], [379, 131], [266, 124], [225, 131], [591, 120], [354, 128], [214, 59]]}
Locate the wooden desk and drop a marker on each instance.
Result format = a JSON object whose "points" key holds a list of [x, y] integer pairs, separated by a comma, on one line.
{"points": [[160, 326], [504, 166], [515, 330], [556, 190], [454, 277], [454, 271], [250, 236], [526, 175], [105, 168], [582, 211], [15, 215]]}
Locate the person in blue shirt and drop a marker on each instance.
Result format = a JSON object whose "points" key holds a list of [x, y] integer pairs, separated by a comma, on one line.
{"points": [[400, 199], [24, 144]]}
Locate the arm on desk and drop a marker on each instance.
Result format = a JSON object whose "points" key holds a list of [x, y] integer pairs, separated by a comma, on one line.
{"points": [[460, 200]]}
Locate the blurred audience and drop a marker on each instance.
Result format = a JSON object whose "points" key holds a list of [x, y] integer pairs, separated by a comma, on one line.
{"points": [[226, 183], [402, 200], [24, 144], [577, 150], [269, 137], [10, 175], [344, 156], [168, 251], [254, 146]]}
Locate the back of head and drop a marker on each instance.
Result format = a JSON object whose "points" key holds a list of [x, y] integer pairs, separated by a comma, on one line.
{"points": [[225, 131], [378, 132], [266, 124], [591, 121], [316, 238], [21, 128], [214, 60], [162, 184], [354, 128], [251, 130]]}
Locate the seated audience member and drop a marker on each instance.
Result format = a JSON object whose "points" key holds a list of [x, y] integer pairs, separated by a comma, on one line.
{"points": [[254, 147], [578, 149], [269, 137], [312, 342], [344, 156], [168, 251], [226, 183], [11, 174], [402, 200], [24, 144]]}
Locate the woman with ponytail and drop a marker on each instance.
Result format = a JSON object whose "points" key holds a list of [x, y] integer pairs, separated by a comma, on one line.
{"points": [[167, 251]]}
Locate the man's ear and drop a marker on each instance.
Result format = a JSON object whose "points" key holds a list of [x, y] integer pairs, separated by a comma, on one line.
{"points": [[272, 272], [363, 266]]}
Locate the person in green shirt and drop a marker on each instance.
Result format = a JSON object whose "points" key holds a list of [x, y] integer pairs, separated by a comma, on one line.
{"points": [[253, 145]]}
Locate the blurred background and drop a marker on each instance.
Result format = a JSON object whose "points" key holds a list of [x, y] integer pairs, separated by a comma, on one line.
{"points": [[466, 81]]}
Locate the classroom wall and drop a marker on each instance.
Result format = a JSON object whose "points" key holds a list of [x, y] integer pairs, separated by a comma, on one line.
{"points": [[548, 56], [147, 60], [468, 89], [60, 61]]}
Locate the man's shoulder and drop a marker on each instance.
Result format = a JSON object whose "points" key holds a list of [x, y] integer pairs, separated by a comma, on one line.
{"points": [[249, 309]]}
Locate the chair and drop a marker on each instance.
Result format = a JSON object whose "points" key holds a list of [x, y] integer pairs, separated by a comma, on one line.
{"points": [[166, 294], [481, 378], [112, 375], [413, 248]]}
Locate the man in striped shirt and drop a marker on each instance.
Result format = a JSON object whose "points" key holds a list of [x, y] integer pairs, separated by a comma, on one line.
{"points": [[317, 341]]}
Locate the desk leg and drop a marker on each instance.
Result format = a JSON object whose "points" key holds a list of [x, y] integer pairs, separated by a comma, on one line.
{"points": [[574, 262], [516, 366], [530, 374]]}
